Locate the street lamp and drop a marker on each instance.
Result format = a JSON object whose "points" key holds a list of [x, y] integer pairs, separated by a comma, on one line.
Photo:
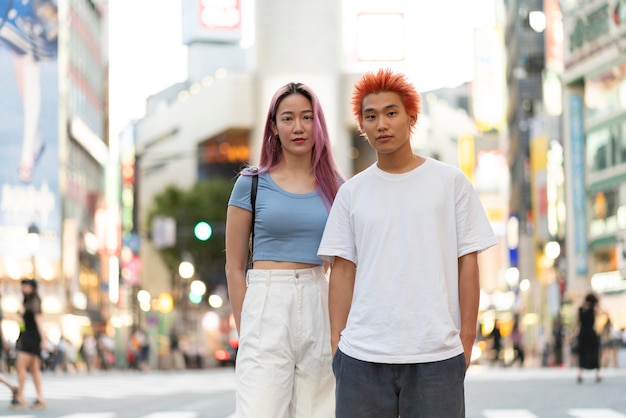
{"points": [[32, 241], [186, 269]]}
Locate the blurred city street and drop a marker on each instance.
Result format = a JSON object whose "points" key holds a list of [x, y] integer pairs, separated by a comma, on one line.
{"points": [[209, 393], [124, 126]]}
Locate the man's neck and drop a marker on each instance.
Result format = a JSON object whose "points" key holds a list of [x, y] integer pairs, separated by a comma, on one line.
{"points": [[398, 164]]}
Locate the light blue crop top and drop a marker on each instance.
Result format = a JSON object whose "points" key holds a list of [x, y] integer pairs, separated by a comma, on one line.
{"points": [[288, 226]]}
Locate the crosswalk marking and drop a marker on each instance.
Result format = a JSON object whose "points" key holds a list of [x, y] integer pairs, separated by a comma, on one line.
{"points": [[92, 415], [508, 413], [595, 413], [488, 413]]}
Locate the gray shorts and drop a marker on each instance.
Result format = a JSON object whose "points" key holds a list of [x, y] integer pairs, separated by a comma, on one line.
{"points": [[420, 390]]}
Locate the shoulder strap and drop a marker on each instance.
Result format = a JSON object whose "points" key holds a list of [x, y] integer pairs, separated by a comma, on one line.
{"points": [[253, 190]]}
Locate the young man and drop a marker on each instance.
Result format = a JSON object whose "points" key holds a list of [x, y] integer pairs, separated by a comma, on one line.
{"points": [[403, 237]]}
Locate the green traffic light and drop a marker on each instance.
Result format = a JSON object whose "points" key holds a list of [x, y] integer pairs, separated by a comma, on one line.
{"points": [[194, 298], [203, 231]]}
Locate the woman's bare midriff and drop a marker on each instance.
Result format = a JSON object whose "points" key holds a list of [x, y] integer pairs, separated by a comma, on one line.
{"points": [[281, 265]]}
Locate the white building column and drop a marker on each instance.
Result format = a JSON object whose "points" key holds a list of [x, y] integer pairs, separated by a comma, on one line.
{"points": [[301, 41]]}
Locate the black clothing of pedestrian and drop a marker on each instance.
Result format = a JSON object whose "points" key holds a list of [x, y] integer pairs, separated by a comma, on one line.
{"points": [[588, 338]]}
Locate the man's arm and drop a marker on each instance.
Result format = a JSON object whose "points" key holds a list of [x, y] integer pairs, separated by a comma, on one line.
{"points": [[469, 297], [341, 288]]}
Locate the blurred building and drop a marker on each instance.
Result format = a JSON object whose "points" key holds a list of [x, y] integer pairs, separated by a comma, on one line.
{"points": [[594, 109], [535, 227], [54, 219]]}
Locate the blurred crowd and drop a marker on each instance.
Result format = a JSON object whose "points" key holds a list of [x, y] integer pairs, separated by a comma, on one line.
{"points": [[556, 348], [97, 351]]}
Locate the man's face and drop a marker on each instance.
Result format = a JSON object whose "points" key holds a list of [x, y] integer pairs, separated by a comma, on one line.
{"points": [[386, 123]]}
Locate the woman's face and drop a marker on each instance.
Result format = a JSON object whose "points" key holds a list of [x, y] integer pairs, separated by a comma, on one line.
{"points": [[27, 289], [294, 124]]}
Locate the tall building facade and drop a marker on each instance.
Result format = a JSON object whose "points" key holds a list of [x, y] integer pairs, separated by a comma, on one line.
{"points": [[533, 134], [53, 87], [594, 108]]}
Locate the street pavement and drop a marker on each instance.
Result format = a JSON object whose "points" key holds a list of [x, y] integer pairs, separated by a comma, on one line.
{"points": [[490, 393]]}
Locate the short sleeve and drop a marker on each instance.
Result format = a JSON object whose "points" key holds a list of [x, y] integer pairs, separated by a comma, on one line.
{"points": [[474, 231], [338, 237], [35, 306], [240, 195]]}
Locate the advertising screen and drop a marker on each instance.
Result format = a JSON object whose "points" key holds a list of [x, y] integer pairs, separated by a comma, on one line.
{"points": [[29, 137]]}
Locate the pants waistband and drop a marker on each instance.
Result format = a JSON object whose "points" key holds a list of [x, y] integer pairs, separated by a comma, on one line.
{"points": [[285, 276]]}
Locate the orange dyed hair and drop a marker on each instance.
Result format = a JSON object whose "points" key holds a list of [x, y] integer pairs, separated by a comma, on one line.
{"points": [[385, 80]]}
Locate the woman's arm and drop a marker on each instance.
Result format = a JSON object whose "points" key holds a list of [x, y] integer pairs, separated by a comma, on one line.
{"points": [[38, 321], [238, 227], [469, 298]]}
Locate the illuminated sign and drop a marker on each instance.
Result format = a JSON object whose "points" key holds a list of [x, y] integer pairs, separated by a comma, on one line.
{"points": [[220, 14], [211, 21]]}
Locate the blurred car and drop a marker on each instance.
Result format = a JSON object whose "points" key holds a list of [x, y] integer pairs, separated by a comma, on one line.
{"points": [[227, 355]]}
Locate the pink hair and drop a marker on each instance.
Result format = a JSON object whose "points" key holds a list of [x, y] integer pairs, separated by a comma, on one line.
{"points": [[385, 80], [325, 170]]}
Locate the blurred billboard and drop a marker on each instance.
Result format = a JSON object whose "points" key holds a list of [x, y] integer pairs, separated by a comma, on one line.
{"points": [[489, 85], [211, 20], [29, 138]]}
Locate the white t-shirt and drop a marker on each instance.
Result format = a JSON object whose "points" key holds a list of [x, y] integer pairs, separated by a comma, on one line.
{"points": [[405, 233]]}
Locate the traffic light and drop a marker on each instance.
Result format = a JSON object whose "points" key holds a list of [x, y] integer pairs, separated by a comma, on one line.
{"points": [[203, 231]]}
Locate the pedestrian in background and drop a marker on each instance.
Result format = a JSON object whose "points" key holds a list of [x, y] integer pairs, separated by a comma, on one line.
{"points": [[609, 344], [588, 341], [89, 351], [496, 344], [557, 337], [280, 306], [29, 346], [518, 342], [403, 236], [4, 346], [8, 384]]}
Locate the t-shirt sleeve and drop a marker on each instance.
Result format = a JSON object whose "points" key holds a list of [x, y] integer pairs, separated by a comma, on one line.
{"points": [[240, 196], [338, 239], [474, 231], [36, 306]]}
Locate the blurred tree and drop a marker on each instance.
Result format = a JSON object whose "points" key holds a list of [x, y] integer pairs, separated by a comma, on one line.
{"points": [[206, 201]]}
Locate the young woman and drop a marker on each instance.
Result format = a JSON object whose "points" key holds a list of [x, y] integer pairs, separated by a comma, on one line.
{"points": [[588, 339], [281, 304], [29, 346]]}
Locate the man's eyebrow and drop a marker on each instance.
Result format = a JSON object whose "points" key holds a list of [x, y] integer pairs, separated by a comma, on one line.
{"points": [[389, 106]]}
